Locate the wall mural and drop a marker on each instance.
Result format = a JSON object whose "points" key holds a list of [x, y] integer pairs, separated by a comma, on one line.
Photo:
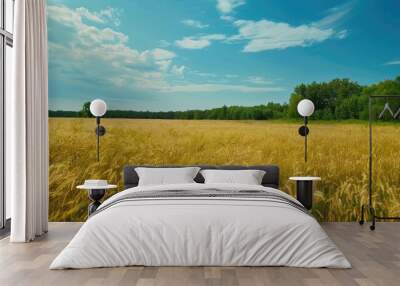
{"points": [[218, 82]]}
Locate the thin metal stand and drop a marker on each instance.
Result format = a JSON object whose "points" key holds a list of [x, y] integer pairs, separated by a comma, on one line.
{"points": [[303, 131], [100, 131], [98, 138], [305, 138], [369, 207]]}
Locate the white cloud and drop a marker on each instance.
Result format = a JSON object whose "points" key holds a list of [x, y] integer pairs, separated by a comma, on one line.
{"points": [[74, 19], [103, 55], [161, 54], [64, 15], [342, 34], [258, 80], [88, 15], [203, 74], [164, 43], [112, 14], [199, 42], [334, 15], [163, 58], [91, 46], [152, 82], [214, 37], [191, 43], [214, 87], [265, 35], [395, 62], [103, 16], [178, 71], [164, 65], [194, 24], [227, 6], [227, 18]]}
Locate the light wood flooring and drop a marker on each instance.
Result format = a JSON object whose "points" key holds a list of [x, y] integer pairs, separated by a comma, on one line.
{"points": [[375, 257]]}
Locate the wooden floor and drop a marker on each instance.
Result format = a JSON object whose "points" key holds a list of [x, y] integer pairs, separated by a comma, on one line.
{"points": [[375, 257]]}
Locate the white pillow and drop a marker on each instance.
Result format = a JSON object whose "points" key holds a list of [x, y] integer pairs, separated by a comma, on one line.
{"points": [[248, 177], [166, 176]]}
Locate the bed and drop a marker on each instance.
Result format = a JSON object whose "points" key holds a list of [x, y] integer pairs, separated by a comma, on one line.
{"points": [[198, 224]]}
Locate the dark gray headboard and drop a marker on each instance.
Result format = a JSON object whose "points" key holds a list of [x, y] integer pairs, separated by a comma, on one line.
{"points": [[271, 177]]}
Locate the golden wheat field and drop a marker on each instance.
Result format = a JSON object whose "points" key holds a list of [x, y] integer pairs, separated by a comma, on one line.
{"points": [[338, 152]]}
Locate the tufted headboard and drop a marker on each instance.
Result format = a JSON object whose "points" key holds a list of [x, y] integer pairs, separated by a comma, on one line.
{"points": [[271, 177]]}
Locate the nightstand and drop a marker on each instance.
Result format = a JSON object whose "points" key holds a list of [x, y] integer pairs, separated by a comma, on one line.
{"points": [[96, 190], [304, 193]]}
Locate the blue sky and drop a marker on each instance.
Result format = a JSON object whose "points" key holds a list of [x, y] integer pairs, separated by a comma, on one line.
{"points": [[178, 55]]}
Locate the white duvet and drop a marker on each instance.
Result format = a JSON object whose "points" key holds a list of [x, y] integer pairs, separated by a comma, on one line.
{"points": [[200, 231]]}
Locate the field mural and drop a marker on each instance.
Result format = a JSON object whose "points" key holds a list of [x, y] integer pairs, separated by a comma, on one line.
{"points": [[218, 82]]}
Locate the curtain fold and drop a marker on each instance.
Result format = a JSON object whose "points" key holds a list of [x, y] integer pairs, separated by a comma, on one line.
{"points": [[27, 124]]}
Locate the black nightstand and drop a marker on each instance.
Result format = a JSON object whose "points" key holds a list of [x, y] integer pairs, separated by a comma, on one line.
{"points": [[95, 194], [304, 193]]}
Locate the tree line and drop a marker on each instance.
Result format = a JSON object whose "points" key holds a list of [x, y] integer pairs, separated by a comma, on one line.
{"points": [[334, 100]]}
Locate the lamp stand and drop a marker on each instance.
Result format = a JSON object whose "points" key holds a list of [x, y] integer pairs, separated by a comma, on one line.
{"points": [[303, 131], [98, 138], [100, 131], [305, 138]]}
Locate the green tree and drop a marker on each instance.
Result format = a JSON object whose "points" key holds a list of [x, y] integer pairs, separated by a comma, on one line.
{"points": [[327, 96], [292, 110], [85, 111]]}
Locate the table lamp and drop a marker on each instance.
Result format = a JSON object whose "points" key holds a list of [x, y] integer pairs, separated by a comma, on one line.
{"points": [[305, 108]]}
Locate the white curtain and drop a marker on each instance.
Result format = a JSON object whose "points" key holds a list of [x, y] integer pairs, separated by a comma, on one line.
{"points": [[27, 124]]}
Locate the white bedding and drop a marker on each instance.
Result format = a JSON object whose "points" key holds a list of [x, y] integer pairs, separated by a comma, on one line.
{"points": [[200, 231]]}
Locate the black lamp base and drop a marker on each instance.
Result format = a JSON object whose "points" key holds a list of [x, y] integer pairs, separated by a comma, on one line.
{"points": [[95, 195]]}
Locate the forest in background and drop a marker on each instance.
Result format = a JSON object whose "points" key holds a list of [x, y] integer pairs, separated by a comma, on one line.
{"points": [[337, 99]]}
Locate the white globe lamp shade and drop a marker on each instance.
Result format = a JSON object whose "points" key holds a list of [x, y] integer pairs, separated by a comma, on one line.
{"points": [[305, 107], [98, 107]]}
